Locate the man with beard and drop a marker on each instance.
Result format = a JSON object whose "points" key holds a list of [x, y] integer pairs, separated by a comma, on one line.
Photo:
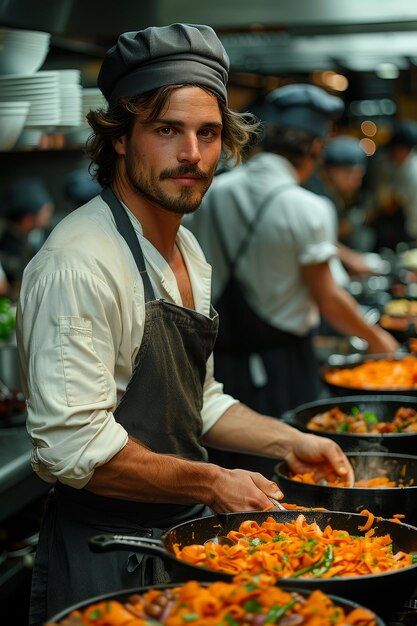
{"points": [[116, 331]]}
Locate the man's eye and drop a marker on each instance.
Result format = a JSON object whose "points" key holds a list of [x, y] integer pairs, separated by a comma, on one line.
{"points": [[166, 130], [209, 133]]}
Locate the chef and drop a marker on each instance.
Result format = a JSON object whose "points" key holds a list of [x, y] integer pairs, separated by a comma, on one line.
{"points": [[116, 331]]}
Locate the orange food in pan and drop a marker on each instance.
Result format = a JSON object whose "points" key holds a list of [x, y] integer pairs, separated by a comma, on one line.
{"points": [[363, 422], [337, 481], [298, 549], [376, 374], [222, 604]]}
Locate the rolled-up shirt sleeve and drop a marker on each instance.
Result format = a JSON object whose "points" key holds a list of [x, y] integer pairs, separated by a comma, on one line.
{"points": [[316, 233], [68, 375]]}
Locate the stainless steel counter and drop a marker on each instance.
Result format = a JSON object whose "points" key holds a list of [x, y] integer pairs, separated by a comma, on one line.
{"points": [[19, 485]]}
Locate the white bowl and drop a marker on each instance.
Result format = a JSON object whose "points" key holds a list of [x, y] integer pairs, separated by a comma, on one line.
{"points": [[11, 127], [10, 108], [22, 58]]}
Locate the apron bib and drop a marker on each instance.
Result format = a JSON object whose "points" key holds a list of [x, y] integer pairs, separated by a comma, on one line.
{"points": [[161, 407]]}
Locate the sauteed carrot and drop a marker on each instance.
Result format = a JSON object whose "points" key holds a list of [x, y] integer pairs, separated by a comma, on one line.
{"points": [[336, 481], [250, 602], [377, 374], [298, 549], [294, 507]]}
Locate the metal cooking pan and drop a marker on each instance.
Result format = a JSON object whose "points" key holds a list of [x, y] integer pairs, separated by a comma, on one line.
{"points": [[337, 362], [383, 406], [381, 592], [123, 596], [384, 502]]}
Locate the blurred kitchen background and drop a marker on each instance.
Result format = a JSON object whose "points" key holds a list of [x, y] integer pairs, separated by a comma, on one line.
{"points": [[50, 54], [366, 52]]}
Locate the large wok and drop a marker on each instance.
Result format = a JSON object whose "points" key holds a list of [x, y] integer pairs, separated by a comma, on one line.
{"points": [[383, 406], [384, 502], [381, 592], [123, 596]]}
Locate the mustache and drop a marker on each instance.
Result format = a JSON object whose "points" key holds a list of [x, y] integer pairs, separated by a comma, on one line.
{"points": [[182, 170]]}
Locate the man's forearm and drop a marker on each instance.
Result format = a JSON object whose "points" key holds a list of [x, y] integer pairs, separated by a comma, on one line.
{"points": [[240, 428], [137, 473]]}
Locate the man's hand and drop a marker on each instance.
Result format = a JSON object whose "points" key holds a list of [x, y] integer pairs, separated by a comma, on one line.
{"points": [[312, 453], [240, 490]]}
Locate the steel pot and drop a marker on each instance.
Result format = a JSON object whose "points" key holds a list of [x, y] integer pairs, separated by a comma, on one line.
{"points": [[383, 406], [384, 502], [376, 591]]}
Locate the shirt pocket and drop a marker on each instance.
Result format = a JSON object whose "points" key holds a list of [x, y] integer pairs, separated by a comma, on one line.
{"points": [[84, 374]]}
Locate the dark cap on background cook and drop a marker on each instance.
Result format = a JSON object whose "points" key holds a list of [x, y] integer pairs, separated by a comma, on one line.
{"points": [[305, 107], [145, 60], [344, 150], [80, 186], [25, 195], [404, 133]]}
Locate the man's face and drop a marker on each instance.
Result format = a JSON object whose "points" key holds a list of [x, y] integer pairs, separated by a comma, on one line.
{"points": [[171, 162], [346, 179]]}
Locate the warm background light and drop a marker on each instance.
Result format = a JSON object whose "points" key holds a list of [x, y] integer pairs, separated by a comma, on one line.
{"points": [[368, 128]]}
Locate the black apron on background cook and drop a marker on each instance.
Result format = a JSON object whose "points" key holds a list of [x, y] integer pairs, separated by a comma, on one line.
{"points": [[267, 369], [161, 407]]}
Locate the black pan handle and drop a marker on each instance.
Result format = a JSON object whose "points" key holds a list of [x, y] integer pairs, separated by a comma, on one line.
{"points": [[146, 545]]}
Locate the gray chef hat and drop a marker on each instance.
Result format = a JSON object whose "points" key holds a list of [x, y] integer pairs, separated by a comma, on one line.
{"points": [[404, 133], [25, 195], [306, 107], [164, 55], [345, 150]]}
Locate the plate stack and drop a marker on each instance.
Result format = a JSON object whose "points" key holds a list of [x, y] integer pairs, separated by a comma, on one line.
{"points": [[22, 53], [41, 90], [70, 97], [91, 100]]}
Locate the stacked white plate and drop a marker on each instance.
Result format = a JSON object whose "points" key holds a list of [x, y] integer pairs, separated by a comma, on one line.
{"points": [[41, 90], [22, 51], [71, 98], [92, 99]]}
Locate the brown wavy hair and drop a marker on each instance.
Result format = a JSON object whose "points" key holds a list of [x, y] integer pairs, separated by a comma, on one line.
{"points": [[239, 129]]}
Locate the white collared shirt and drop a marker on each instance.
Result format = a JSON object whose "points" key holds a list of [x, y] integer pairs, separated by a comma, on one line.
{"points": [[80, 323], [295, 230]]}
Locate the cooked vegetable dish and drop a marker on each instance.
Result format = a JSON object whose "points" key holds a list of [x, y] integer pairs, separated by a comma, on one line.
{"points": [[299, 549], [245, 603], [363, 422], [376, 374], [332, 480]]}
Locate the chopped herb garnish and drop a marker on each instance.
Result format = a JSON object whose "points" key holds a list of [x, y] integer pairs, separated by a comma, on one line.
{"points": [[276, 612], [190, 617], [252, 606]]}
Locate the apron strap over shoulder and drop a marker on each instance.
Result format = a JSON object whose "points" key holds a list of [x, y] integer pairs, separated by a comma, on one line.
{"points": [[125, 228]]}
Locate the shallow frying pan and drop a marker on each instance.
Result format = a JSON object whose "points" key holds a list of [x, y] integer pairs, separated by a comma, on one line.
{"points": [[337, 362], [383, 406], [384, 502], [123, 596], [381, 592]]}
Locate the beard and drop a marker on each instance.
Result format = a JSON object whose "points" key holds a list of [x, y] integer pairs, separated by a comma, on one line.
{"points": [[148, 186]]}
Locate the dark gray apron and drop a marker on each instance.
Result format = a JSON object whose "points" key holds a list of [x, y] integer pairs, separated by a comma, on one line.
{"points": [[268, 369], [162, 408]]}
